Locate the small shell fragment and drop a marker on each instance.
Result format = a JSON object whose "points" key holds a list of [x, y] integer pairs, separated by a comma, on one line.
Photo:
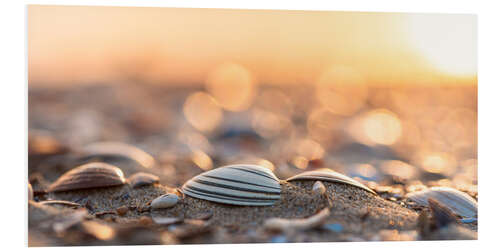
{"points": [[280, 224], [30, 192], [116, 150], [60, 203], [91, 175], [459, 202], [326, 174], [242, 184], [165, 201], [319, 188], [141, 179]]}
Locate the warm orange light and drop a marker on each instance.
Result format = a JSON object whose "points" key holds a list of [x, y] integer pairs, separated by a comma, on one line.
{"points": [[382, 127], [202, 111], [232, 85]]}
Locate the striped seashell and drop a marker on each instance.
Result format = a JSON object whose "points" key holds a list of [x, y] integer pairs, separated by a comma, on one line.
{"points": [[326, 174], [247, 185], [111, 151], [459, 202], [91, 175]]}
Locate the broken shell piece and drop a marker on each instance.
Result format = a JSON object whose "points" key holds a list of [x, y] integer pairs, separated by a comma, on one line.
{"points": [[280, 224], [60, 203], [30, 192], [319, 188], [104, 151], [142, 179], [158, 219], [326, 174], [250, 185], [91, 175], [459, 202], [165, 201]]}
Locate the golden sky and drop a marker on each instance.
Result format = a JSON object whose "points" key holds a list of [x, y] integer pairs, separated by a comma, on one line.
{"points": [[77, 44]]}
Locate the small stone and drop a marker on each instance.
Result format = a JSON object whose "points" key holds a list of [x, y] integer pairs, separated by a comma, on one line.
{"points": [[165, 201], [142, 179], [334, 227], [319, 188], [279, 239], [122, 210], [145, 220]]}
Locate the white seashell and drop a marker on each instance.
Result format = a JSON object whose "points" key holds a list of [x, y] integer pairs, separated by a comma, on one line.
{"points": [[459, 202], [280, 224], [326, 174], [165, 201], [319, 188], [247, 185]]}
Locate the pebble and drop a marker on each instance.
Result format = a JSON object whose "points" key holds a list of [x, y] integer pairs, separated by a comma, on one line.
{"points": [[165, 201], [319, 188], [279, 239], [334, 227], [141, 179], [122, 210]]}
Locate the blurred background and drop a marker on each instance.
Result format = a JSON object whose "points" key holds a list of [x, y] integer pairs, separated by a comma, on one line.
{"points": [[384, 97]]}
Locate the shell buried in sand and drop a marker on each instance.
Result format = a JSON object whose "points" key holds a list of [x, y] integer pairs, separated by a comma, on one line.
{"points": [[246, 185], [91, 175], [326, 174]]}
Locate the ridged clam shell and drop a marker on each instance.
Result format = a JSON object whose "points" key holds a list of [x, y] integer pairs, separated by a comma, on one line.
{"points": [[91, 175], [116, 150], [326, 174], [459, 202], [247, 185]]}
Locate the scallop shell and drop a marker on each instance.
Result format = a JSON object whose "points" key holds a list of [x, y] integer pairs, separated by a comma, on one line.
{"points": [[247, 185], [91, 175], [116, 150], [326, 174], [459, 202]]}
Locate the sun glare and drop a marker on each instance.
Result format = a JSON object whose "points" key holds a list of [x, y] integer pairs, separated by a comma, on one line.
{"points": [[449, 42]]}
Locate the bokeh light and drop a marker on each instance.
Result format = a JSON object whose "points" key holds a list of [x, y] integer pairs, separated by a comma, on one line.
{"points": [[232, 86], [342, 90], [202, 111]]}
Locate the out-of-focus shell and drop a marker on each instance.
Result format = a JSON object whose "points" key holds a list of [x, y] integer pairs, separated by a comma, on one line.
{"points": [[91, 175], [459, 202], [30, 192], [60, 203], [142, 179], [104, 151], [326, 174], [247, 185]]}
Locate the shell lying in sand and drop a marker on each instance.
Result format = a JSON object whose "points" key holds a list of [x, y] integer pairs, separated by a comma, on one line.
{"points": [[459, 202], [326, 174], [91, 175], [247, 185]]}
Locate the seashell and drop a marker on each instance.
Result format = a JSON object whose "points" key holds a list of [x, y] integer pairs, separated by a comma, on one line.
{"points": [[326, 174], [459, 202], [280, 224], [319, 188], [165, 201], [142, 179], [59, 202], [247, 185], [91, 175], [112, 151], [159, 219], [30, 192], [442, 215]]}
